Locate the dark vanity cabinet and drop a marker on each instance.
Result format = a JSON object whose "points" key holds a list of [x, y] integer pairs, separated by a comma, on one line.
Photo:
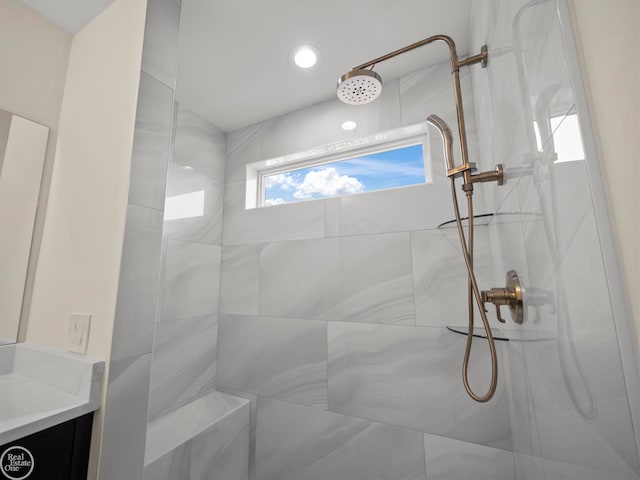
{"points": [[60, 452]]}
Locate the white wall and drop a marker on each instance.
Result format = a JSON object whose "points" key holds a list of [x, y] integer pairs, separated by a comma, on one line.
{"points": [[83, 233], [608, 38], [33, 54]]}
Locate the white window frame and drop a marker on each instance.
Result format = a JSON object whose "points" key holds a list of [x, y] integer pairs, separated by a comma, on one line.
{"points": [[335, 152]]}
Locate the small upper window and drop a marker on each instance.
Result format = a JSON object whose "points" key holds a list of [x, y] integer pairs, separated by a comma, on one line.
{"points": [[362, 165], [377, 171]]}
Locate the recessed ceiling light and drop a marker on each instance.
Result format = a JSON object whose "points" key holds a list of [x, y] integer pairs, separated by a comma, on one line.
{"points": [[349, 125], [305, 56]]}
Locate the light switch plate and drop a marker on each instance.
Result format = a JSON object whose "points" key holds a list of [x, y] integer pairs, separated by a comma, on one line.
{"points": [[79, 324]]}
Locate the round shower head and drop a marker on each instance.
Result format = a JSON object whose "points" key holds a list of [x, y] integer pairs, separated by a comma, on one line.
{"points": [[358, 87]]}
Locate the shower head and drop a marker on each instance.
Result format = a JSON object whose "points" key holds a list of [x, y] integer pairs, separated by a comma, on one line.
{"points": [[359, 86]]}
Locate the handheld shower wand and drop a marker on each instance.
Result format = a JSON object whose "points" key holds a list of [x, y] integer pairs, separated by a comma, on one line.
{"points": [[362, 85]]}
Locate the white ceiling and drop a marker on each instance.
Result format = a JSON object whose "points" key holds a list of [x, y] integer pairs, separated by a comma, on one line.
{"points": [[234, 63], [70, 15]]}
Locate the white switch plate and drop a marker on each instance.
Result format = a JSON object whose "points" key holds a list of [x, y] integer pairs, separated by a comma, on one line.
{"points": [[79, 324]]}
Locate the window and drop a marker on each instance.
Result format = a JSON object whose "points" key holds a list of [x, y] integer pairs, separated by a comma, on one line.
{"points": [[386, 160], [566, 138]]}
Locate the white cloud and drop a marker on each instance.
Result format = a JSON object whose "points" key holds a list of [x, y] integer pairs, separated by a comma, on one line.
{"points": [[325, 183], [282, 180]]}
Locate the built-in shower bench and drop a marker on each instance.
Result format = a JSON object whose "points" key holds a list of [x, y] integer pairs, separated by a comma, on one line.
{"points": [[196, 434]]}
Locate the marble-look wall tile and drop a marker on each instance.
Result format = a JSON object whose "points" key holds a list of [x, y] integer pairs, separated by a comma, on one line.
{"points": [[199, 144], [244, 146], [160, 47], [562, 424], [449, 459], [411, 377], [430, 91], [175, 465], [151, 143], [253, 405], [193, 211], [301, 279], [239, 279], [293, 221], [396, 210], [184, 363], [139, 282], [320, 124], [196, 171], [359, 279], [125, 418], [222, 452], [376, 279], [274, 357], [191, 280], [296, 442], [440, 275]]}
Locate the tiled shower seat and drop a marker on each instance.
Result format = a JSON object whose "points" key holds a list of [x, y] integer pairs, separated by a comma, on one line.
{"points": [[209, 438]]}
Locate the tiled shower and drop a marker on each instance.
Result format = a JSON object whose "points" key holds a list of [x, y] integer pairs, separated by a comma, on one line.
{"points": [[310, 340]]}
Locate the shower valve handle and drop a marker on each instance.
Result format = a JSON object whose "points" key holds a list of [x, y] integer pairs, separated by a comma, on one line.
{"points": [[511, 295]]}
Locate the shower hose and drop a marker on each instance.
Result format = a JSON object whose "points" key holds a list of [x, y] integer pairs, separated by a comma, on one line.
{"points": [[473, 292]]}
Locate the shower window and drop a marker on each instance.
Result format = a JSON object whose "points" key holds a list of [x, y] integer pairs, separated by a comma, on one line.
{"points": [[566, 138], [386, 160]]}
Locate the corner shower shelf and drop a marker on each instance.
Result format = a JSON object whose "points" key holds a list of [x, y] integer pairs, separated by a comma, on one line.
{"points": [[514, 335], [486, 218]]}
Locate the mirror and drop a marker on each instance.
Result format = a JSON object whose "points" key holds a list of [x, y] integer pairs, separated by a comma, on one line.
{"points": [[22, 151]]}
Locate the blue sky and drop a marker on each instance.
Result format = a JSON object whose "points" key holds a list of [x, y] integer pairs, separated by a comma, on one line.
{"points": [[394, 168]]}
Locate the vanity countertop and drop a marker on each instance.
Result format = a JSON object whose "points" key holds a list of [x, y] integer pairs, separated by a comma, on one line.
{"points": [[42, 387]]}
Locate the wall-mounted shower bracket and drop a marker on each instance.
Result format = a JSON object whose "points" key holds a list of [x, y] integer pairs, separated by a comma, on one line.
{"points": [[481, 58], [511, 296], [496, 175], [470, 178]]}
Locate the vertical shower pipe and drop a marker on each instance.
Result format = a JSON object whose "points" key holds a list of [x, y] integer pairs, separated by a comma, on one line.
{"points": [[466, 171]]}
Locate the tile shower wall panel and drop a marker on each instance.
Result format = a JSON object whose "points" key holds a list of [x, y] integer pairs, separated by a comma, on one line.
{"points": [[271, 224], [440, 275], [196, 172], [239, 279], [151, 143], [320, 124], [138, 286], [449, 459], [253, 418], [295, 442], [244, 146], [375, 273], [357, 279], [125, 419], [409, 208], [430, 91], [184, 363], [175, 465], [411, 377], [301, 279], [222, 452], [161, 40], [191, 281], [126, 405], [274, 357]]}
